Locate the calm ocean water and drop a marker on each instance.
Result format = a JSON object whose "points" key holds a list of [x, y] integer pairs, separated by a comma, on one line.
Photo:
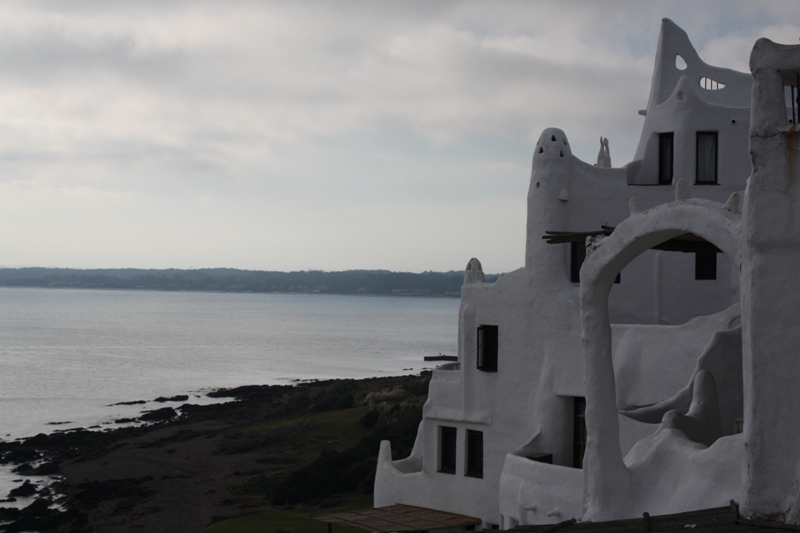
{"points": [[66, 355]]}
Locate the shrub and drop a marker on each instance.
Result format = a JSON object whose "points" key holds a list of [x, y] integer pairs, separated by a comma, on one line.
{"points": [[369, 419]]}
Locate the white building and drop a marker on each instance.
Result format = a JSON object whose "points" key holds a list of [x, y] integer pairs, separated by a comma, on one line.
{"points": [[679, 381]]}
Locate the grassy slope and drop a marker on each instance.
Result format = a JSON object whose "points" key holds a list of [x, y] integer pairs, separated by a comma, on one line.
{"points": [[398, 403], [269, 459]]}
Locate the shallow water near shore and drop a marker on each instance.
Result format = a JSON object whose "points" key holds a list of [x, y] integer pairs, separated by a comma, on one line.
{"points": [[66, 356]]}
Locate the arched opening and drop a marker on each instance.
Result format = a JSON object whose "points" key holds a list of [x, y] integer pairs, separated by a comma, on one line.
{"points": [[607, 479]]}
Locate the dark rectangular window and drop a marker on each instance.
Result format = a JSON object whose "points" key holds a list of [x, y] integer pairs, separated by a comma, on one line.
{"points": [[578, 431], [447, 449], [487, 348], [705, 265], [577, 256], [707, 157], [665, 157], [474, 453]]}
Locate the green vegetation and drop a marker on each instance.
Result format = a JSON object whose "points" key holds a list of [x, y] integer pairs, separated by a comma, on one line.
{"points": [[373, 282], [260, 463], [323, 460]]}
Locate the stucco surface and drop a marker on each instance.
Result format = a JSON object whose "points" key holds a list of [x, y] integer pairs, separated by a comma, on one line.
{"points": [[672, 368]]}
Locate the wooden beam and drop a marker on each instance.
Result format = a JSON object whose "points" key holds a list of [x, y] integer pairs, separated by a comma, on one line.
{"points": [[686, 243]]}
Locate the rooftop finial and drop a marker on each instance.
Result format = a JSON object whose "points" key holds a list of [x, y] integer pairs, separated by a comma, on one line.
{"points": [[603, 156], [474, 272], [732, 204]]}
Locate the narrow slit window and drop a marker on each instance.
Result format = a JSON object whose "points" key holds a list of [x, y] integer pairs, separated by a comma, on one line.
{"points": [[665, 158], [792, 99], [487, 348], [474, 453], [707, 157], [447, 449], [705, 265], [578, 431]]}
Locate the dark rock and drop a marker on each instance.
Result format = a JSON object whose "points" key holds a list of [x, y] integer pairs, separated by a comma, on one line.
{"points": [[18, 453], [24, 490], [8, 513], [165, 413], [135, 402], [39, 517], [251, 392], [37, 508], [46, 469], [124, 420], [178, 398], [23, 469]]}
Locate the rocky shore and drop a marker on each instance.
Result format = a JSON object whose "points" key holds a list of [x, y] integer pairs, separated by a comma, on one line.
{"points": [[191, 466]]}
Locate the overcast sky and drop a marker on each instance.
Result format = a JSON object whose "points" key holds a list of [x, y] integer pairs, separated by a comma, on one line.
{"points": [[325, 135]]}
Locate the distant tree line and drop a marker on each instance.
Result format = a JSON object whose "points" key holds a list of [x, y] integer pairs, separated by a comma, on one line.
{"points": [[381, 282]]}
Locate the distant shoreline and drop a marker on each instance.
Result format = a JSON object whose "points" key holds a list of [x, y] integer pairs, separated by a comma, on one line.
{"points": [[227, 280], [200, 291]]}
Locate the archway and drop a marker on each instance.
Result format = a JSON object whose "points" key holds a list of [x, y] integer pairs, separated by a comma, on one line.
{"points": [[607, 481]]}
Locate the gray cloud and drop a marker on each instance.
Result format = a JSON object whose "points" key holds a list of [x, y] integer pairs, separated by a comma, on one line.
{"points": [[339, 135]]}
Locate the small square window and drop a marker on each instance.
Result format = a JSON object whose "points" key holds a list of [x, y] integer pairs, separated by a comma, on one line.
{"points": [[487, 348], [447, 449], [474, 453]]}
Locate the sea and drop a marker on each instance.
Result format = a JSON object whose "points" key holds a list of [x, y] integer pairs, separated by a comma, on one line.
{"points": [[68, 358]]}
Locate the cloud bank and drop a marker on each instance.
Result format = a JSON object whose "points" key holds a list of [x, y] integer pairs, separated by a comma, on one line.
{"points": [[330, 135]]}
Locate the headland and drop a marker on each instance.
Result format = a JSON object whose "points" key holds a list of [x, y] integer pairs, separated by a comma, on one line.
{"points": [[187, 467]]}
